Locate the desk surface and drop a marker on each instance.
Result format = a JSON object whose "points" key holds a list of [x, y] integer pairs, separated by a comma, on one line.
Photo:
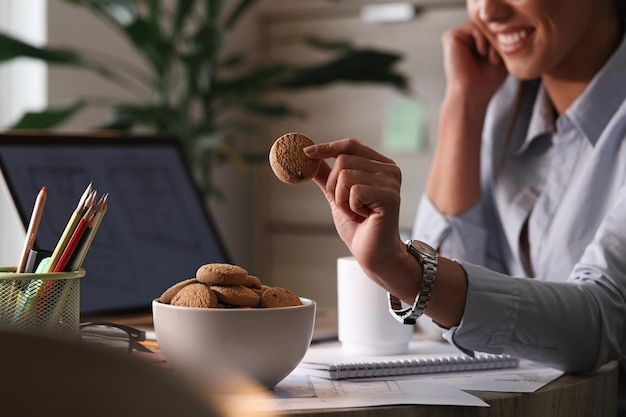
{"points": [[567, 396]]}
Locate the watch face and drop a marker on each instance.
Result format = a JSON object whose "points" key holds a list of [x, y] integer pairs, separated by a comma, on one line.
{"points": [[423, 248]]}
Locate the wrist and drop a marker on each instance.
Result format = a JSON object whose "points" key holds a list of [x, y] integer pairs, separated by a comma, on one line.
{"points": [[465, 99], [427, 257], [463, 113], [397, 273]]}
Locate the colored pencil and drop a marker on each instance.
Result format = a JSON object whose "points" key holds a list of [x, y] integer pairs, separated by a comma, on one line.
{"points": [[31, 233], [92, 228], [69, 229], [33, 226], [72, 244]]}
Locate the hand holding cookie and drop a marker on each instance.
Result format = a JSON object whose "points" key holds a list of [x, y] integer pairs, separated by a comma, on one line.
{"points": [[218, 285], [288, 160]]}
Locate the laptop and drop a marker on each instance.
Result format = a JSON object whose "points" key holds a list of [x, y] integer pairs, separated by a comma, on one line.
{"points": [[156, 231]]}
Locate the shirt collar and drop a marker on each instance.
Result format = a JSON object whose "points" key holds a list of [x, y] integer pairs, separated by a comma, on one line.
{"points": [[541, 122], [592, 111]]}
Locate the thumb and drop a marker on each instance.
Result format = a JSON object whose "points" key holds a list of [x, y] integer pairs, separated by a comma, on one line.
{"points": [[321, 178]]}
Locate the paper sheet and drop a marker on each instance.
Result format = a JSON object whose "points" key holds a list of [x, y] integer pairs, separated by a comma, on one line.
{"points": [[528, 377], [301, 392]]}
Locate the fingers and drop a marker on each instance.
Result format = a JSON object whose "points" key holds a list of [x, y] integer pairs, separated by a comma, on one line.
{"points": [[350, 170], [356, 168], [351, 176], [469, 37], [484, 48], [366, 200], [480, 42], [494, 56], [341, 188], [348, 146]]}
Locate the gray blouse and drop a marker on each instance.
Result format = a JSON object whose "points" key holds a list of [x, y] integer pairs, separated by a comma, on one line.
{"points": [[567, 179]]}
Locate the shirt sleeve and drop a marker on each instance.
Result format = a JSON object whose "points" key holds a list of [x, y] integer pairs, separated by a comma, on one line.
{"points": [[574, 325], [548, 322], [456, 237]]}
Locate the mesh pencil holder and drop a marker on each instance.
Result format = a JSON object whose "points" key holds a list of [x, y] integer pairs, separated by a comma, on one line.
{"points": [[40, 303]]}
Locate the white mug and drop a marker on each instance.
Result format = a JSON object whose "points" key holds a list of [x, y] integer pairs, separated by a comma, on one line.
{"points": [[365, 326]]}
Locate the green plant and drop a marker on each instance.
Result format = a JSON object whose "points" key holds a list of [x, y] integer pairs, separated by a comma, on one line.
{"points": [[193, 82]]}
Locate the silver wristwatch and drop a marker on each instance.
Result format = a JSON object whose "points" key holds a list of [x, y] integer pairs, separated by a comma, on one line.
{"points": [[427, 257]]}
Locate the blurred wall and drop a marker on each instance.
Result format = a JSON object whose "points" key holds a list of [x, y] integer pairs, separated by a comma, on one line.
{"points": [[23, 86], [298, 245]]}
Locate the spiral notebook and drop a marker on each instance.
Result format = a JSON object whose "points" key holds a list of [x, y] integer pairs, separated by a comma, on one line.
{"points": [[424, 357]]}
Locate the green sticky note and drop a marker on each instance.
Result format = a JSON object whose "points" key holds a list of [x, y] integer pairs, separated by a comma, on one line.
{"points": [[405, 126]]}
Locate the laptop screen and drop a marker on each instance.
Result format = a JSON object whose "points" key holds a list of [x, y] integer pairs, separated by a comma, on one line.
{"points": [[156, 230]]}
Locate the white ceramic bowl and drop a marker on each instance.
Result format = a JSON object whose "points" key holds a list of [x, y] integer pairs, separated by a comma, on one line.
{"points": [[234, 350]]}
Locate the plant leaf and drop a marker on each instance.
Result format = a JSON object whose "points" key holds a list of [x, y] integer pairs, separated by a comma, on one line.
{"points": [[270, 109], [355, 66], [330, 45], [156, 117], [148, 39], [238, 12], [253, 82], [183, 8], [11, 48], [50, 118], [118, 12], [233, 60], [145, 34], [155, 10], [121, 122], [213, 10]]}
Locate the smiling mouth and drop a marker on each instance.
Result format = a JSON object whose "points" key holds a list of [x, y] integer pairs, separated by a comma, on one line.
{"points": [[511, 40]]}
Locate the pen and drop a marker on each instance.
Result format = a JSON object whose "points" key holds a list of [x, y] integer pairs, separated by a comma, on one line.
{"points": [[33, 226]]}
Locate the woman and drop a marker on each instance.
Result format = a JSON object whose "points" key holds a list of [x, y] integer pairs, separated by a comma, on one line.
{"points": [[528, 180]]}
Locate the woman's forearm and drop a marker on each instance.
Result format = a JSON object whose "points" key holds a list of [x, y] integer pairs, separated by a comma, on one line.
{"points": [[454, 180]]}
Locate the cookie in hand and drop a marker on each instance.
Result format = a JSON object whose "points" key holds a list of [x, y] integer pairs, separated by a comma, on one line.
{"points": [[288, 160]]}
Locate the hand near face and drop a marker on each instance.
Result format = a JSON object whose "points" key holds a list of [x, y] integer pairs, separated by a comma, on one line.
{"points": [[472, 66], [363, 190]]}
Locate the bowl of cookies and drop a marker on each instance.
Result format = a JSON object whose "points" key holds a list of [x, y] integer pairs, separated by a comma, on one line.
{"points": [[228, 330]]}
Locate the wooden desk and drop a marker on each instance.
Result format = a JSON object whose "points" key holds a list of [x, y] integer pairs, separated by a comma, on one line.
{"points": [[568, 396]]}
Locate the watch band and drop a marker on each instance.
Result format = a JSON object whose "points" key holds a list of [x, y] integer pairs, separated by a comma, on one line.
{"points": [[428, 258]]}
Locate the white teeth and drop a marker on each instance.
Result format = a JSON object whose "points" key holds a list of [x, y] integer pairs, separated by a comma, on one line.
{"points": [[512, 38]]}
